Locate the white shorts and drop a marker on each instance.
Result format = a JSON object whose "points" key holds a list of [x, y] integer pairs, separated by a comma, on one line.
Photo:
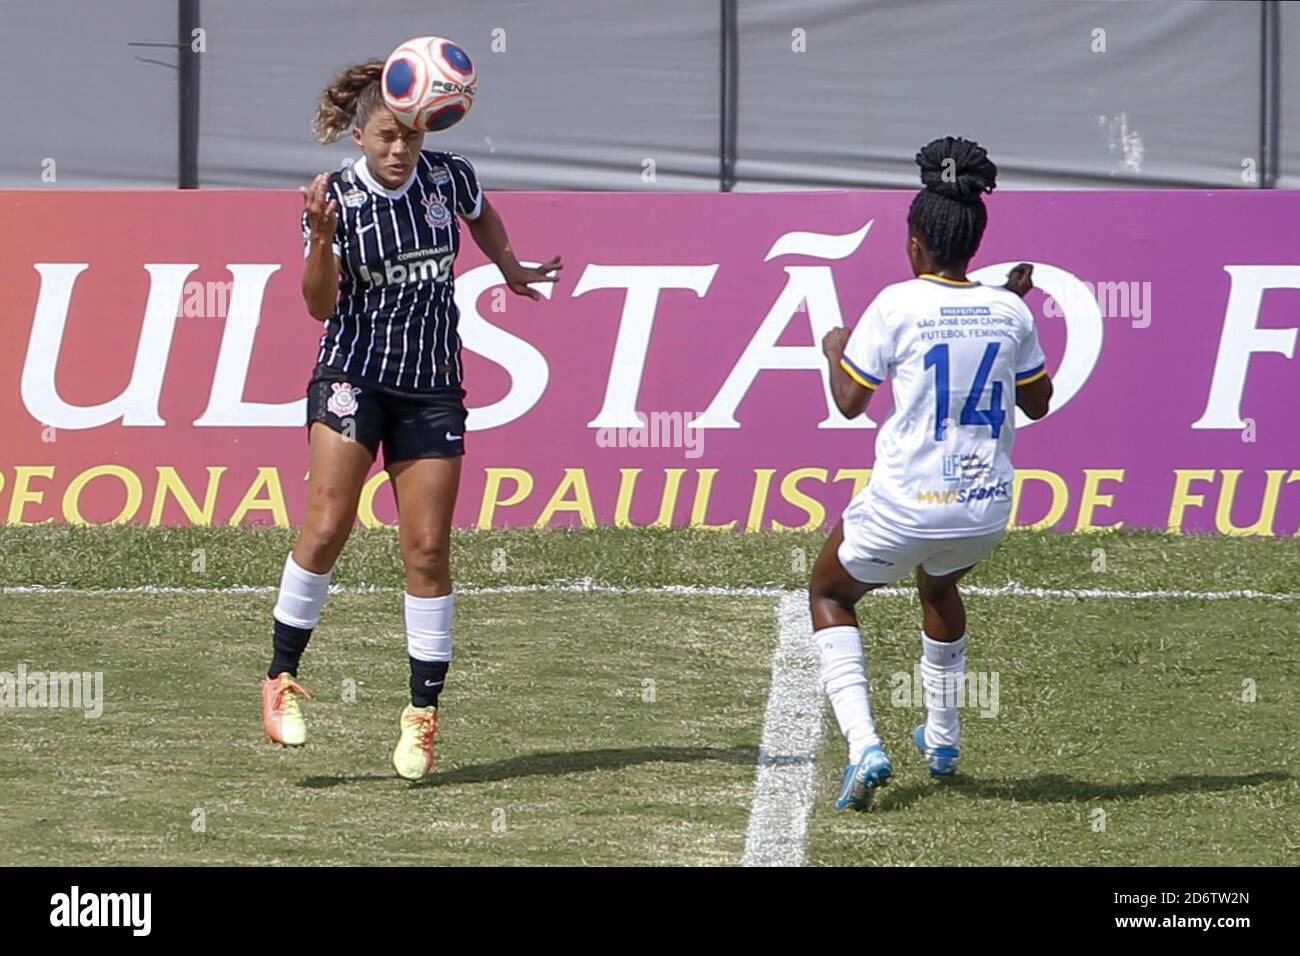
{"points": [[875, 552]]}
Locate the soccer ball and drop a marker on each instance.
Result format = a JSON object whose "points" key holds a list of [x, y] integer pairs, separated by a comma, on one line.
{"points": [[429, 84]]}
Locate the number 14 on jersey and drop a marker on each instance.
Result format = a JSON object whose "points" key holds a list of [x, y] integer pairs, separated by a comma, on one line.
{"points": [[971, 413]]}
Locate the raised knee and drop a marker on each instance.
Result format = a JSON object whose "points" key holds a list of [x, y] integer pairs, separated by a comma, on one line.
{"points": [[329, 529], [822, 584], [429, 553], [938, 595], [326, 533], [824, 602]]}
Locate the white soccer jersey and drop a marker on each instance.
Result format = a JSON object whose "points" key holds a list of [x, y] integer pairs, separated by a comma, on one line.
{"points": [[954, 352]]}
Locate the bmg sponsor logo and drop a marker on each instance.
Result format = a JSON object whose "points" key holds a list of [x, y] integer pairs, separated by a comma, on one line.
{"points": [[426, 268]]}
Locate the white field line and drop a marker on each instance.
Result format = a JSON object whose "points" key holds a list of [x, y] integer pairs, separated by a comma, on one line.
{"points": [[588, 586], [787, 757], [558, 587]]}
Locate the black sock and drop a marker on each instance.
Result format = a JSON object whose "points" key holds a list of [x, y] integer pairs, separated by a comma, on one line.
{"points": [[427, 678], [289, 643]]}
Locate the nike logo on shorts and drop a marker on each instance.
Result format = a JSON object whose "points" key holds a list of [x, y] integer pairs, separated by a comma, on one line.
{"points": [[451, 437]]}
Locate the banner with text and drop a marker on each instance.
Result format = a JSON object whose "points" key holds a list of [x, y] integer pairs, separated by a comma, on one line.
{"points": [[158, 353]]}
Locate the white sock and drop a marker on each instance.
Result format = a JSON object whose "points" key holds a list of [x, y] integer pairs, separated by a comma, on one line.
{"points": [[428, 627], [844, 679], [302, 595], [943, 664]]}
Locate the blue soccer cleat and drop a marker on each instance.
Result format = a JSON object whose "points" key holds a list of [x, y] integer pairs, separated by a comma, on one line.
{"points": [[872, 770], [942, 760]]}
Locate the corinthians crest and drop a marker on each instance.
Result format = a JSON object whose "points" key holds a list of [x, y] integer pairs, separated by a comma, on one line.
{"points": [[344, 400], [436, 213]]}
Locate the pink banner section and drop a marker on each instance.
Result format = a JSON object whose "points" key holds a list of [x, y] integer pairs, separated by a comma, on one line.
{"points": [[158, 354]]}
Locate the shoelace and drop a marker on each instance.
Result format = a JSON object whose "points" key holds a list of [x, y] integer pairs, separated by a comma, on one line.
{"points": [[426, 725], [285, 703]]}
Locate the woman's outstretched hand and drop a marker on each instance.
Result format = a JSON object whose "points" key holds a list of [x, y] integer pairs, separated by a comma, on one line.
{"points": [[519, 276]]}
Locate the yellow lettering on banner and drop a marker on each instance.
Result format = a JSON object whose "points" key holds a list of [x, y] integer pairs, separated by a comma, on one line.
{"points": [[1267, 508], [134, 493], [575, 479], [860, 478], [623, 505], [1182, 498], [1060, 497], [366, 503], [22, 497], [811, 506], [1092, 500], [628, 478], [758, 498], [170, 481], [668, 502], [268, 479], [492, 488], [703, 487]]}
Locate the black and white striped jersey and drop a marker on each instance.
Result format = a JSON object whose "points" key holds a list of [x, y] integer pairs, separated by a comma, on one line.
{"points": [[396, 318]]}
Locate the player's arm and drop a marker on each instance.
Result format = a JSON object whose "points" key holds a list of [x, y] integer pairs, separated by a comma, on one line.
{"points": [[1033, 386], [489, 232], [320, 277], [850, 391], [1035, 395], [1021, 279]]}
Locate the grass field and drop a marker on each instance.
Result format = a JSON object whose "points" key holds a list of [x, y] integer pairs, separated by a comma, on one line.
{"points": [[596, 716]]}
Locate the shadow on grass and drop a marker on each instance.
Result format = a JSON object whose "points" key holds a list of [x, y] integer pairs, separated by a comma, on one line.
{"points": [[555, 764], [1056, 788]]}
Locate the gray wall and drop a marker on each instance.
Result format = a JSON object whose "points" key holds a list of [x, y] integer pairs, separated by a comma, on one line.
{"points": [[1289, 98], [585, 91], [1173, 100], [74, 94]]}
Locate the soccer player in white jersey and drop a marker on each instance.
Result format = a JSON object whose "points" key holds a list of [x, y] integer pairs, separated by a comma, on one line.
{"points": [[959, 356], [381, 236]]}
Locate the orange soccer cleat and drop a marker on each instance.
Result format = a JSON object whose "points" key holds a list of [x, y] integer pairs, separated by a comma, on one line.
{"points": [[413, 758], [281, 715]]}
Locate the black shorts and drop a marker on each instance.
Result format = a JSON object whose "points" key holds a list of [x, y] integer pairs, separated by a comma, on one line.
{"points": [[410, 424]]}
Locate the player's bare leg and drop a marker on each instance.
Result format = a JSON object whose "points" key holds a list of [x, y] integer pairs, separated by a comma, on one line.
{"points": [[943, 666], [942, 611], [425, 491], [338, 471], [832, 592], [832, 596]]}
